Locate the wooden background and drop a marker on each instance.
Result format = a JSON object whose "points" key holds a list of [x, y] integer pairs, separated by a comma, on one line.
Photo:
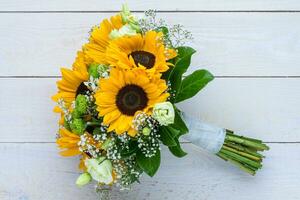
{"points": [[253, 48]]}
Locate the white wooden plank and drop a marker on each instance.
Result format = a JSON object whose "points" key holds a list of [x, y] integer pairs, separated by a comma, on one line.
{"points": [[262, 108], [35, 171], [103, 5], [228, 44]]}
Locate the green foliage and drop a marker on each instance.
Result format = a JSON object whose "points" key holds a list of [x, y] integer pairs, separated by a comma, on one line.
{"points": [[133, 147], [177, 150], [148, 165], [168, 135], [163, 29], [182, 63], [93, 70], [192, 84], [97, 131], [179, 123], [78, 126], [128, 177], [67, 125]]}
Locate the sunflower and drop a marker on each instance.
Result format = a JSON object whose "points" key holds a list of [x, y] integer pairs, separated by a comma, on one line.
{"points": [[99, 39], [72, 82], [68, 141], [146, 51], [125, 93]]}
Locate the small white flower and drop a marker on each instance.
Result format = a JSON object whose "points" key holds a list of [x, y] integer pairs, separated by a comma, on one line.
{"points": [[164, 113], [100, 170]]}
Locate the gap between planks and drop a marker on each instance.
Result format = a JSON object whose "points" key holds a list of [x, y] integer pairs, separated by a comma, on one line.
{"points": [[158, 11], [28, 77]]}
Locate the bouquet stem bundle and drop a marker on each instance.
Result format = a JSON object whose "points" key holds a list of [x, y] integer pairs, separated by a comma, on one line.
{"points": [[243, 152]]}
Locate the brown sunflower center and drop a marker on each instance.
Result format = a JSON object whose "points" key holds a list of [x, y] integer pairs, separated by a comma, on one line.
{"points": [[130, 99], [82, 89], [144, 58]]}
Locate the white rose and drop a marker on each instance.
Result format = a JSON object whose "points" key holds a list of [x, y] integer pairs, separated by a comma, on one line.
{"points": [[100, 169], [164, 113]]}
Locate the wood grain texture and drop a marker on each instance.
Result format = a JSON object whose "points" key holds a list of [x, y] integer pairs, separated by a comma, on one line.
{"points": [[35, 171], [242, 39], [228, 44], [262, 108], [175, 5]]}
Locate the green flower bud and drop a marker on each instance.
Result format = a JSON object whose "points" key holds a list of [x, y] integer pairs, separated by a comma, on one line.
{"points": [[78, 126], [93, 70], [135, 26], [146, 131], [83, 179], [81, 104], [128, 18], [125, 13]]}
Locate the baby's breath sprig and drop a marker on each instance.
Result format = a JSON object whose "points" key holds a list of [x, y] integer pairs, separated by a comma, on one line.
{"points": [[150, 21], [127, 171], [179, 35], [120, 144], [148, 135], [88, 145], [61, 104], [174, 36]]}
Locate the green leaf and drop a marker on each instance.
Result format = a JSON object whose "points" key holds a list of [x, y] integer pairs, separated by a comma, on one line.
{"points": [[133, 147], [177, 150], [168, 135], [162, 29], [193, 83], [148, 165], [166, 75], [179, 123], [182, 63]]}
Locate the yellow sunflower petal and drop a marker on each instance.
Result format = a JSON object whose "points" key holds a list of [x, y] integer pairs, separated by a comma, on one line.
{"points": [[70, 152], [119, 53], [118, 106]]}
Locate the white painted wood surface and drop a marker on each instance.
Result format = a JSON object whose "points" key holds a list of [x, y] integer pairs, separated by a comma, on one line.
{"points": [[245, 105], [138, 5], [37, 172], [228, 44], [252, 46]]}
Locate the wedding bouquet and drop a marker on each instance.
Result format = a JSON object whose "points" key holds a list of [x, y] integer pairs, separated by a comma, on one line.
{"points": [[118, 103]]}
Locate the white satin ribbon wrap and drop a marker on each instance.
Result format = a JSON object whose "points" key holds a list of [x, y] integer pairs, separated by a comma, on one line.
{"points": [[205, 136]]}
